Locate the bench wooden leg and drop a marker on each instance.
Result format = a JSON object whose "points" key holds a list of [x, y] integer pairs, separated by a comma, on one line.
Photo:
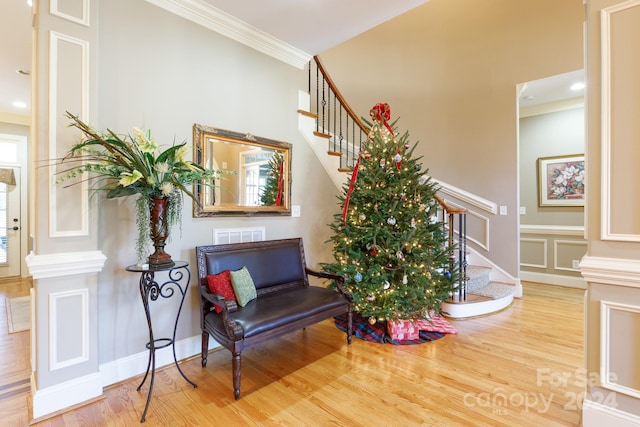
{"points": [[205, 348], [236, 375]]}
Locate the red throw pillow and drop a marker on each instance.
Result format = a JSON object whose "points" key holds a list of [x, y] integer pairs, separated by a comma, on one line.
{"points": [[221, 284]]}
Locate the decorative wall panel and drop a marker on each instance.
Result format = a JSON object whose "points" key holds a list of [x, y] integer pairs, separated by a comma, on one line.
{"points": [[619, 358], [68, 328], [533, 252], [620, 150], [72, 10], [68, 91]]}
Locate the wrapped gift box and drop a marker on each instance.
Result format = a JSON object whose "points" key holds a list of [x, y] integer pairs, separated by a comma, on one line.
{"points": [[403, 330]]}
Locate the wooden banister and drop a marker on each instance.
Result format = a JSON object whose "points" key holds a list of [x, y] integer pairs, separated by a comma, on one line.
{"points": [[339, 96]]}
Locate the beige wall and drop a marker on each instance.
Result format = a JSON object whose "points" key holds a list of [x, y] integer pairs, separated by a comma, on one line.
{"points": [[556, 133], [450, 74]]}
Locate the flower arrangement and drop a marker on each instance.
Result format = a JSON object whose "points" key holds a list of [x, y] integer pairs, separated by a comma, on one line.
{"points": [[134, 164], [567, 181]]}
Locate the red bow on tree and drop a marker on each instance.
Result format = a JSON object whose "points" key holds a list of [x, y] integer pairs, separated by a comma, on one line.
{"points": [[381, 112]]}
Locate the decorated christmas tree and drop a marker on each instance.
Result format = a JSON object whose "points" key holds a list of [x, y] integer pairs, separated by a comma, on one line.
{"points": [[388, 240], [272, 193]]}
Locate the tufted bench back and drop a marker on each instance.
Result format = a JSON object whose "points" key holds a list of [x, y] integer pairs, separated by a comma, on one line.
{"points": [[273, 264]]}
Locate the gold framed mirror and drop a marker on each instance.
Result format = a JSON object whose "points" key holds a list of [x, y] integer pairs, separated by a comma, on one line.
{"points": [[261, 184]]}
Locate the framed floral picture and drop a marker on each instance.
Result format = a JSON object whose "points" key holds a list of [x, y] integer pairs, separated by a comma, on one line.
{"points": [[561, 180]]}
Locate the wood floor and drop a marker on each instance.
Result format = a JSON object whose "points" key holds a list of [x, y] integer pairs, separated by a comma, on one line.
{"points": [[519, 367]]}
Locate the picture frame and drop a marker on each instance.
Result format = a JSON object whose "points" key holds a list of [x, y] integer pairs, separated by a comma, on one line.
{"points": [[561, 180]]}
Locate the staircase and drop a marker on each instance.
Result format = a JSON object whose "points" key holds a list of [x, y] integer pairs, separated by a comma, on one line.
{"points": [[335, 134]]}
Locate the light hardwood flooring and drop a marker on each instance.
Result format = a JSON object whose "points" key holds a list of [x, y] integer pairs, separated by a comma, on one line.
{"points": [[519, 367]]}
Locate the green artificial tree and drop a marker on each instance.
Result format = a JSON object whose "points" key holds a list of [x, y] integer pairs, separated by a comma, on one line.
{"points": [[388, 241], [272, 193]]}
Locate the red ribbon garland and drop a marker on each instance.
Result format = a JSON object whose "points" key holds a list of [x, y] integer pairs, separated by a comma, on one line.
{"points": [[380, 112], [279, 197], [354, 177]]}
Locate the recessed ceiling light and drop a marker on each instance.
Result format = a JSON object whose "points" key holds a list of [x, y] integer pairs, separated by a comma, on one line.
{"points": [[577, 86], [19, 104]]}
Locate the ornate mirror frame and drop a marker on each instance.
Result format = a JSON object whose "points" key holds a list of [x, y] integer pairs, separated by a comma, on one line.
{"points": [[261, 185]]}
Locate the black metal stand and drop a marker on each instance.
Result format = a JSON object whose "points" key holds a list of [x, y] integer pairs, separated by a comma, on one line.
{"points": [[152, 290]]}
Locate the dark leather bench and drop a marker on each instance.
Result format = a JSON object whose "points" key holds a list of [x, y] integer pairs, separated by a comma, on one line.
{"points": [[285, 301]]}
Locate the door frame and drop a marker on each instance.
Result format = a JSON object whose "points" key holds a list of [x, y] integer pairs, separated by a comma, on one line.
{"points": [[22, 165]]}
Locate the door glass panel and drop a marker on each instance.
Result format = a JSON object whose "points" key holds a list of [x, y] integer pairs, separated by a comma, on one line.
{"points": [[3, 223]]}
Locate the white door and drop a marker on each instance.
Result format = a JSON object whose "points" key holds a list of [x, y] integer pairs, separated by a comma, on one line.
{"points": [[10, 226]]}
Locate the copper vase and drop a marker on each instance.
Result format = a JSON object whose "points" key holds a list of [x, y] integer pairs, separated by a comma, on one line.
{"points": [[159, 232]]}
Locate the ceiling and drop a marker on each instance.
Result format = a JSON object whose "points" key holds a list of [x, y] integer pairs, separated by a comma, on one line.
{"points": [[310, 26]]}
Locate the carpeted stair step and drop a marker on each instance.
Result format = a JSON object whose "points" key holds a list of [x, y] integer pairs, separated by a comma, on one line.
{"points": [[494, 290], [478, 277]]}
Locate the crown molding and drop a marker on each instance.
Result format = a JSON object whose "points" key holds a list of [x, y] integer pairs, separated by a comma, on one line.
{"points": [[221, 22]]}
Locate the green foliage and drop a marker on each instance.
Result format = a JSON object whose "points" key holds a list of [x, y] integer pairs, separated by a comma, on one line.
{"points": [[390, 245], [269, 195], [134, 164]]}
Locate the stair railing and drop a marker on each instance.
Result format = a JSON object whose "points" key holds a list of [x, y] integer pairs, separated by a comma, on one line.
{"points": [[335, 120], [346, 132], [458, 257]]}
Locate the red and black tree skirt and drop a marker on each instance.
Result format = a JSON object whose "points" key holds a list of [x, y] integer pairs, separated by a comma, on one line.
{"points": [[377, 332]]}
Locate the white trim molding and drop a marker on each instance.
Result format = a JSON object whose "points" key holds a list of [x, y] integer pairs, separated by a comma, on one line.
{"points": [[56, 39], [545, 252], [554, 279], [561, 230], [465, 196], [55, 335], [204, 14], [64, 264], [136, 364], [611, 271], [557, 243], [596, 414], [606, 154], [83, 19], [607, 375], [64, 395]]}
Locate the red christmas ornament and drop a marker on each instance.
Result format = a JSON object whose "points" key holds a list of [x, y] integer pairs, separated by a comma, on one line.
{"points": [[374, 251]]}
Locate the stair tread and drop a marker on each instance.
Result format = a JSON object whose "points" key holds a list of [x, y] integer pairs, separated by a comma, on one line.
{"points": [[494, 290]]}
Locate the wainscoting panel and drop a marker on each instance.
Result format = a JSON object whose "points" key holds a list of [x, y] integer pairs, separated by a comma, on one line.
{"points": [[68, 90], [618, 364], [565, 252], [620, 87], [72, 10], [533, 252], [549, 254], [68, 328]]}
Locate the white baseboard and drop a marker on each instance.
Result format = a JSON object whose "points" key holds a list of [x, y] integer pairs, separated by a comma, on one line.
{"points": [[597, 415], [48, 400], [554, 279], [57, 398], [136, 364]]}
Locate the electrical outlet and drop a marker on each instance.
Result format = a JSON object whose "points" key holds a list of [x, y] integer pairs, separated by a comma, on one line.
{"points": [[575, 263], [295, 211], [503, 210], [523, 210]]}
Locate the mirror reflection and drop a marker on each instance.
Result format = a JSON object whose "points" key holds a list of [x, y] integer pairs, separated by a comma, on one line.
{"points": [[261, 184]]}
